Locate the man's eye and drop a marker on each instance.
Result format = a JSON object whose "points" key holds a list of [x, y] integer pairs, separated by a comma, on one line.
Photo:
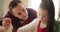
{"points": [[23, 10], [19, 13]]}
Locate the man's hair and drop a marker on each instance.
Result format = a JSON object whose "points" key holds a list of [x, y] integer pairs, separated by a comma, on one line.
{"points": [[13, 4]]}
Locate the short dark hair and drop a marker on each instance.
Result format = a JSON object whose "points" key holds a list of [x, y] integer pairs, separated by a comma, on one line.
{"points": [[13, 4], [49, 6]]}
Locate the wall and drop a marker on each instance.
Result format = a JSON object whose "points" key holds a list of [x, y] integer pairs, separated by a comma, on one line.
{"points": [[6, 3], [1, 8]]}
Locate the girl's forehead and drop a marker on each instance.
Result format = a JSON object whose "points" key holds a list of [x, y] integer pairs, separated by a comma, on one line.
{"points": [[42, 11]]}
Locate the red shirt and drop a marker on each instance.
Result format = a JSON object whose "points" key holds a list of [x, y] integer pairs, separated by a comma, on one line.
{"points": [[40, 29]]}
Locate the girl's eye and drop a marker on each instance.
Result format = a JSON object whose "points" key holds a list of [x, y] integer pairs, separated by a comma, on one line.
{"points": [[45, 16]]}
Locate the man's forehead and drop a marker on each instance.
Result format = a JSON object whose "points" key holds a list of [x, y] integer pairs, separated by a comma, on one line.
{"points": [[21, 5]]}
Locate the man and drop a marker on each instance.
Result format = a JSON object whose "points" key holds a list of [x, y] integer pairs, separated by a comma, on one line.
{"points": [[19, 14]]}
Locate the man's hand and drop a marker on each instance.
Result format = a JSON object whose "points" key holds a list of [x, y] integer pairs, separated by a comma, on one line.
{"points": [[6, 23]]}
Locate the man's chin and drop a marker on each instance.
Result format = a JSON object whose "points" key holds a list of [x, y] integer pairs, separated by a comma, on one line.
{"points": [[25, 18]]}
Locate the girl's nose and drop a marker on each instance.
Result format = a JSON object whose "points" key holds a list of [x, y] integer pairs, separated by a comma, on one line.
{"points": [[41, 17]]}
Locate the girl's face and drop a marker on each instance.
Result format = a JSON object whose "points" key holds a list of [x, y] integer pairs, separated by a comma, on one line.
{"points": [[43, 15]]}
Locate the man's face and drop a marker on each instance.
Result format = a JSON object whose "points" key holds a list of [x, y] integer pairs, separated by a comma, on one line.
{"points": [[20, 11]]}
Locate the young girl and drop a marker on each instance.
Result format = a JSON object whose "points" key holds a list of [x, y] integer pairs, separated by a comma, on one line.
{"points": [[44, 21]]}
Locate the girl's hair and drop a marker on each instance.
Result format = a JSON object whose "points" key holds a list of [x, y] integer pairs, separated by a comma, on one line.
{"points": [[49, 6], [13, 4]]}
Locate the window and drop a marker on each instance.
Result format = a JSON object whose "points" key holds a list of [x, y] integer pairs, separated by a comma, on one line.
{"points": [[34, 4]]}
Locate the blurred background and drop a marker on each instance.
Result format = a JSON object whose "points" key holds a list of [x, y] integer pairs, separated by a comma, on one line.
{"points": [[34, 4]]}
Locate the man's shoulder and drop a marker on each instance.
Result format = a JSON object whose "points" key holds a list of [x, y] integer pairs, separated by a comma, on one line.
{"points": [[32, 13], [31, 10], [8, 15]]}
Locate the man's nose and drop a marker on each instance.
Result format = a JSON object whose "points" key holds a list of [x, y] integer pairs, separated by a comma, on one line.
{"points": [[24, 14]]}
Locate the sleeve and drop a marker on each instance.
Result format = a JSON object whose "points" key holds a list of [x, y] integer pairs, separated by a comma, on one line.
{"points": [[31, 27]]}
